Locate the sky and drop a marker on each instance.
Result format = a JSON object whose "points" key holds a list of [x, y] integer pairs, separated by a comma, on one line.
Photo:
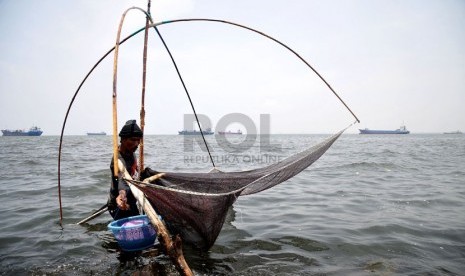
{"points": [[393, 62]]}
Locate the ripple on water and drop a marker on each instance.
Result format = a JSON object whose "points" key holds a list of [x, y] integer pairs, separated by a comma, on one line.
{"points": [[370, 206]]}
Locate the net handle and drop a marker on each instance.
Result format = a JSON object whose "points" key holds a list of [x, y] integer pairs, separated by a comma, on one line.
{"points": [[115, 85]]}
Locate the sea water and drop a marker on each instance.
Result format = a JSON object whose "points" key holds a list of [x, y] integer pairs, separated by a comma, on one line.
{"points": [[371, 205]]}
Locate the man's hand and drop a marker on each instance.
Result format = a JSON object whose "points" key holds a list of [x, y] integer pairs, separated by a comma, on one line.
{"points": [[121, 200]]}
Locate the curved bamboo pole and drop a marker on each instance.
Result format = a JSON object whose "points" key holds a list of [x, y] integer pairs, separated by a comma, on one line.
{"points": [[173, 249], [154, 25], [271, 38], [115, 80], [116, 48]]}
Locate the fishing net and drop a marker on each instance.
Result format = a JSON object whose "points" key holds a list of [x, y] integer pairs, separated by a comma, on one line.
{"points": [[195, 205]]}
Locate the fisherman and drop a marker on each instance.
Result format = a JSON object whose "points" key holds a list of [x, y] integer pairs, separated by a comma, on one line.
{"points": [[121, 201]]}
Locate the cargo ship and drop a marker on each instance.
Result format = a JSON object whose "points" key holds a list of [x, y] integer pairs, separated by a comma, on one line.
{"points": [[97, 133], [239, 132], [454, 132], [33, 131], [208, 131], [401, 130]]}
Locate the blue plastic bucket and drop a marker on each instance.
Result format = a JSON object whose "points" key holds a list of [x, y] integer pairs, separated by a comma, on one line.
{"points": [[133, 233]]}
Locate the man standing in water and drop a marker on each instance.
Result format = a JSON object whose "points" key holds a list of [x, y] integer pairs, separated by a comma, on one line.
{"points": [[121, 202]]}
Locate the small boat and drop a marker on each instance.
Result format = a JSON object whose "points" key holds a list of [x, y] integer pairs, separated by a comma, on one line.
{"points": [[33, 131], [97, 133], [238, 132], [401, 130], [208, 131], [453, 132]]}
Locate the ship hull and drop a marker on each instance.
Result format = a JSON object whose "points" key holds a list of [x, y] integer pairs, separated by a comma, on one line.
{"points": [[194, 133], [373, 131], [21, 133], [229, 133], [33, 131]]}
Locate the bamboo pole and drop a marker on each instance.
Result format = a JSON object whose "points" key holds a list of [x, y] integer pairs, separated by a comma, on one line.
{"points": [[173, 248], [153, 178], [115, 109], [115, 85], [144, 74], [94, 215]]}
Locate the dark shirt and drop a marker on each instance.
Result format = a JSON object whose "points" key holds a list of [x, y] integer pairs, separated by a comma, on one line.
{"points": [[118, 184]]}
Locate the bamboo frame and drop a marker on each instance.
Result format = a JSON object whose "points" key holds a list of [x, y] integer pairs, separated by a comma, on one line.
{"points": [[173, 248]]}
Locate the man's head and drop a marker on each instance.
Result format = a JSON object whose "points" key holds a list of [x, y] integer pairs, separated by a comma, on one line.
{"points": [[131, 135], [131, 129]]}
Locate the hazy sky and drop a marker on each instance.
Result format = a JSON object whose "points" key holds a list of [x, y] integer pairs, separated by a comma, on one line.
{"points": [[393, 62]]}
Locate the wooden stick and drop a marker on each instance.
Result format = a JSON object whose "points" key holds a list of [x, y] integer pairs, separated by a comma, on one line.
{"points": [[94, 215], [173, 249], [144, 73], [153, 178]]}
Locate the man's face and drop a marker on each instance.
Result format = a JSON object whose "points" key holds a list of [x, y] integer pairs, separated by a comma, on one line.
{"points": [[130, 144]]}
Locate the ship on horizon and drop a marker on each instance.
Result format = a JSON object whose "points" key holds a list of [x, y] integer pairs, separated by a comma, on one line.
{"points": [[97, 133], [238, 132], [33, 131], [207, 131], [401, 130], [453, 132]]}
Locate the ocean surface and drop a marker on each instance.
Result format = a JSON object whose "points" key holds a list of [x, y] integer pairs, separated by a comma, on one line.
{"points": [[371, 205]]}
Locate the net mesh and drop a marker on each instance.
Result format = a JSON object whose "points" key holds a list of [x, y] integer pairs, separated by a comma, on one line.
{"points": [[195, 205]]}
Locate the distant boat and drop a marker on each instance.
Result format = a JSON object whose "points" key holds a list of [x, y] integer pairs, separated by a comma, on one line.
{"points": [[97, 133], [401, 130], [208, 131], [33, 131], [454, 132], [238, 132]]}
